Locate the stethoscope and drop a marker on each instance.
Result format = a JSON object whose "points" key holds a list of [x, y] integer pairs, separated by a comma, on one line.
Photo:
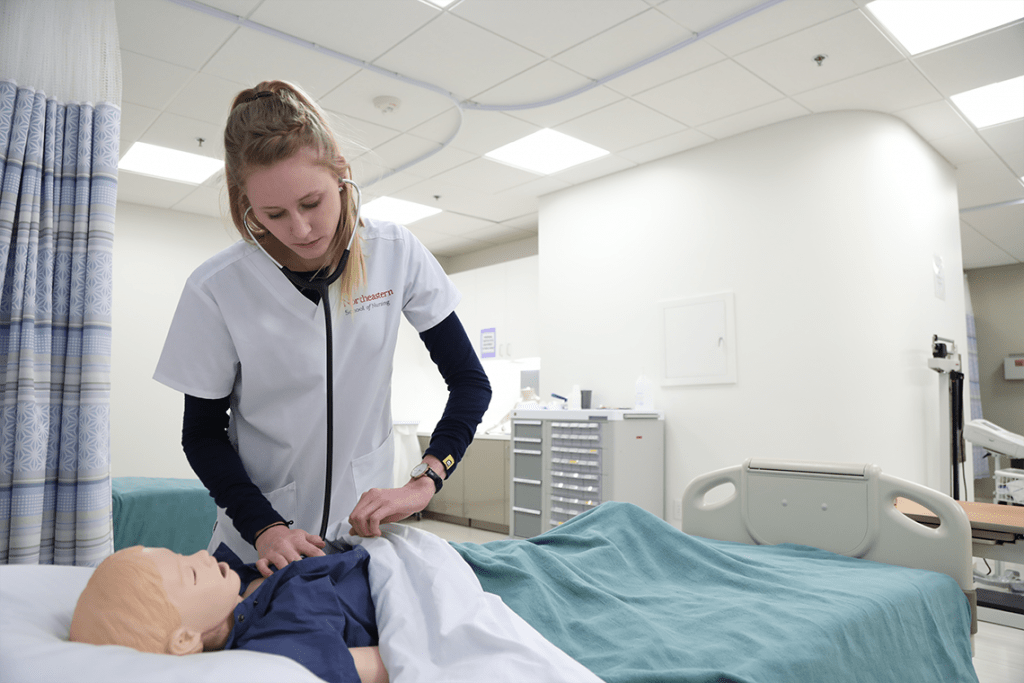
{"points": [[321, 286]]}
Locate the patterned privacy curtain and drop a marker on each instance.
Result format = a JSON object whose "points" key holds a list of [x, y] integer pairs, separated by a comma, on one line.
{"points": [[58, 185]]}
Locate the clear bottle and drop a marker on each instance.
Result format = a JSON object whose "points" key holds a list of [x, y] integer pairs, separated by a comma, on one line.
{"points": [[644, 398]]}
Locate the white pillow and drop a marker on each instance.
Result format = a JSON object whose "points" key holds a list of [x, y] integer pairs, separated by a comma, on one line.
{"points": [[36, 605]]}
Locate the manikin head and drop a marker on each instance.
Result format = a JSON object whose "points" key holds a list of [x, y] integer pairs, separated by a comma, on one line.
{"points": [[155, 600]]}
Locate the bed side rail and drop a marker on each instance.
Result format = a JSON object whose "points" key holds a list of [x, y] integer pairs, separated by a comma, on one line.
{"points": [[845, 508]]}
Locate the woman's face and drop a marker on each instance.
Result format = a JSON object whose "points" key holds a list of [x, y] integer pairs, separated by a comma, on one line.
{"points": [[298, 201]]}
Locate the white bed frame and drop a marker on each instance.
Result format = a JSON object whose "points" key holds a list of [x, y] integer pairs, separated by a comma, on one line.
{"points": [[844, 508]]}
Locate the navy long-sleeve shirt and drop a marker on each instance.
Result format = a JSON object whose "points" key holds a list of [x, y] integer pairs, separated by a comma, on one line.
{"points": [[218, 465]]}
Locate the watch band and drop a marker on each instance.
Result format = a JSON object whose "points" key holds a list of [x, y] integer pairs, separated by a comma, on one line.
{"points": [[438, 481], [424, 470]]}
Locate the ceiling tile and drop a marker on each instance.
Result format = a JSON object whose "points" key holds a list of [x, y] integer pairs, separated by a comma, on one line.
{"points": [[486, 176], [1001, 225], [720, 90], [935, 120], [355, 98], [361, 29], [852, 45], [207, 98], [135, 120], [208, 201], [621, 125], [891, 88], [150, 191], [399, 151], [703, 16], [542, 186], [758, 117], [549, 27], [980, 183], [373, 186], [632, 41], [169, 32], [541, 83], [566, 110], [991, 57], [980, 252], [357, 137], [150, 82], [526, 225], [962, 148], [772, 23], [406, 148], [481, 131], [179, 132], [1008, 142], [250, 57], [598, 168], [452, 224], [685, 60], [671, 144], [458, 199], [464, 59]]}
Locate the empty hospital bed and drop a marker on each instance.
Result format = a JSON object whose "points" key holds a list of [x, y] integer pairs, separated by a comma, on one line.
{"points": [[804, 572]]}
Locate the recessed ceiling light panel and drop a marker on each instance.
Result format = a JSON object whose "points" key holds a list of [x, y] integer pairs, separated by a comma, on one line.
{"points": [[169, 164], [993, 104], [922, 26], [546, 151], [397, 210]]}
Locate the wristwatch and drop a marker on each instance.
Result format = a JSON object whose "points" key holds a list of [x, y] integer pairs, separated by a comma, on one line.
{"points": [[423, 469]]}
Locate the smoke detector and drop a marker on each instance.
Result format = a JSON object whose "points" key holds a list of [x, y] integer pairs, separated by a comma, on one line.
{"points": [[387, 103]]}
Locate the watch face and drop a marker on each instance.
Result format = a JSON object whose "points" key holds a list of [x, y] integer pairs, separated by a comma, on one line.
{"points": [[419, 470]]}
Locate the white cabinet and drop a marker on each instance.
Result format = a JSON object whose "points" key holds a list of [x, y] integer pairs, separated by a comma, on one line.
{"points": [[477, 493], [565, 462]]}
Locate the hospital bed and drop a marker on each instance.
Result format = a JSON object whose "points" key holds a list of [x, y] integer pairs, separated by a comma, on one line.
{"points": [[804, 571]]}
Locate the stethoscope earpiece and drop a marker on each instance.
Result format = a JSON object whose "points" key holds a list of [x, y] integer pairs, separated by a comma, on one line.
{"points": [[344, 256]]}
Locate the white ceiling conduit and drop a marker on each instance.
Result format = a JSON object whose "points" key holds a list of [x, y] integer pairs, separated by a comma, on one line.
{"points": [[462, 104]]}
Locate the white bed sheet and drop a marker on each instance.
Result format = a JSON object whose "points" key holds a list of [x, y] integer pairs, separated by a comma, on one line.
{"points": [[435, 623]]}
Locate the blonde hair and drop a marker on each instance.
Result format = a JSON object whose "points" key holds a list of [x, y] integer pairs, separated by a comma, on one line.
{"points": [[124, 603], [267, 124]]}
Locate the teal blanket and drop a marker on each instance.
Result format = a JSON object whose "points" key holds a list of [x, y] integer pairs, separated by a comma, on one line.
{"points": [[634, 599]]}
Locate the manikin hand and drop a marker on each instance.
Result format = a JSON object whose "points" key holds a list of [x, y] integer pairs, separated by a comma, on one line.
{"points": [[280, 545], [380, 506]]}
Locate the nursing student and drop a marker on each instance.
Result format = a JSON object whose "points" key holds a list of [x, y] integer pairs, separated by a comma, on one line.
{"points": [[248, 343]]}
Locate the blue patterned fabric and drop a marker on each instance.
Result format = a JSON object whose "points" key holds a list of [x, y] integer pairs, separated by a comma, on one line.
{"points": [[58, 186]]}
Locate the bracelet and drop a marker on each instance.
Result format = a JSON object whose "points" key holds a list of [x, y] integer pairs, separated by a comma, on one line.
{"points": [[270, 526]]}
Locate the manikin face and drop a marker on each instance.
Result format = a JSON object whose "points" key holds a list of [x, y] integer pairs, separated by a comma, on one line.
{"points": [[298, 201], [204, 592]]}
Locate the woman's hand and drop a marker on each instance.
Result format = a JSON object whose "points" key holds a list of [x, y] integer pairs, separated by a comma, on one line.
{"points": [[279, 545], [380, 506]]}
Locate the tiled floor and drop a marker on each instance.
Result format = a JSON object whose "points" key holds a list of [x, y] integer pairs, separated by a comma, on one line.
{"points": [[999, 650]]}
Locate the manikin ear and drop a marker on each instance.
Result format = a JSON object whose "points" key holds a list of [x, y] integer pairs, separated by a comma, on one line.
{"points": [[183, 641]]}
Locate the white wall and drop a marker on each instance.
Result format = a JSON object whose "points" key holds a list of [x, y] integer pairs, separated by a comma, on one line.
{"points": [[998, 298], [155, 250], [503, 296], [825, 228]]}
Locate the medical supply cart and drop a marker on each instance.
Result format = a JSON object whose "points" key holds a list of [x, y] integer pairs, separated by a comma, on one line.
{"points": [[565, 462]]}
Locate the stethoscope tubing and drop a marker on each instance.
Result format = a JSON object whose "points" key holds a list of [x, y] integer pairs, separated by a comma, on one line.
{"points": [[322, 287]]}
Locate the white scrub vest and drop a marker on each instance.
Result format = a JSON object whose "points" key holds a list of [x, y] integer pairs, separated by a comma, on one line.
{"points": [[242, 329]]}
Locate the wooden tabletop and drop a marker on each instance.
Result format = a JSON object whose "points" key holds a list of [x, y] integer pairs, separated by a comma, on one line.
{"points": [[986, 516]]}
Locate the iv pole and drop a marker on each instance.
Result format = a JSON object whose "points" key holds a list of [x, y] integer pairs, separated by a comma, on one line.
{"points": [[946, 361]]}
